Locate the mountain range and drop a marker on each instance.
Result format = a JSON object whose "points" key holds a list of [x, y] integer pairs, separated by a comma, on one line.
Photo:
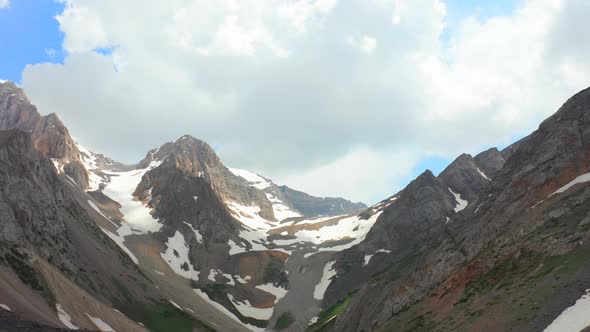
{"points": [[181, 242]]}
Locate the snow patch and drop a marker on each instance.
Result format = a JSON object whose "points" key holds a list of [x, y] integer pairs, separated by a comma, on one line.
{"points": [[580, 179], [58, 167], [100, 324], [280, 210], [197, 233], [253, 179], [368, 257], [246, 309], [5, 307], [212, 274], [88, 159], [461, 203], [322, 286], [353, 228], [278, 292], [313, 320], [241, 280], [221, 308], [483, 174], [574, 318], [249, 216], [477, 208], [234, 248], [176, 256], [120, 241], [231, 280], [135, 213], [64, 317], [174, 304]]}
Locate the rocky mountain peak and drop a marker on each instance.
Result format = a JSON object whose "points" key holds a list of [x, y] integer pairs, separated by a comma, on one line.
{"points": [[424, 203], [15, 109], [427, 175], [465, 178], [8, 88], [195, 158], [48, 134], [553, 155], [490, 161], [187, 153]]}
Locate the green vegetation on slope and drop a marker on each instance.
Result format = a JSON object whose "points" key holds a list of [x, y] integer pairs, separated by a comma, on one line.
{"points": [[162, 317], [285, 320], [326, 317]]}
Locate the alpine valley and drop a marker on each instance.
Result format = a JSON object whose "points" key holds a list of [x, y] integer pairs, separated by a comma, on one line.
{"points": [[499, 241]]}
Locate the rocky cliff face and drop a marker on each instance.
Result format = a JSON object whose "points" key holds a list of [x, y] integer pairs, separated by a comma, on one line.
{"points": [[189, 187], [48, 241], [412, 218], [197, 159], [464, 177], [512, 259], [408, 221], [48, 133], [490, 162]]}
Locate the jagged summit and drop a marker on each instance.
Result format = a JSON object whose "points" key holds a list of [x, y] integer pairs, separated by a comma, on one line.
{"points": [[465, 177], [490, 161], [48, 133], [187, 146]]}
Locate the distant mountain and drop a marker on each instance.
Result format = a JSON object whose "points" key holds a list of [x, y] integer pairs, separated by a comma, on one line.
{"points": [[289, 203]]}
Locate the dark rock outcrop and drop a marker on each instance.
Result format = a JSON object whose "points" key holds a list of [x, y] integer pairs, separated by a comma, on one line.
{"points": [[408, 221], [465, 178], [490, 162]]}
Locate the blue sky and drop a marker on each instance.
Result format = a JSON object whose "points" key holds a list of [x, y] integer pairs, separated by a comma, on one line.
{"points": [[29, 34], [481, 9]]}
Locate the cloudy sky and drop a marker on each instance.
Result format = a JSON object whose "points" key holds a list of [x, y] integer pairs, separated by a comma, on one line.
{"points": [[335, 97]]}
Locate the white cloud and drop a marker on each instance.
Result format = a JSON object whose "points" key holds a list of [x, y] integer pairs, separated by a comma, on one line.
{"points": [[4, 4], [83, 29], [274, 88], [365, 44], [298, 13], [360, 168]]}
